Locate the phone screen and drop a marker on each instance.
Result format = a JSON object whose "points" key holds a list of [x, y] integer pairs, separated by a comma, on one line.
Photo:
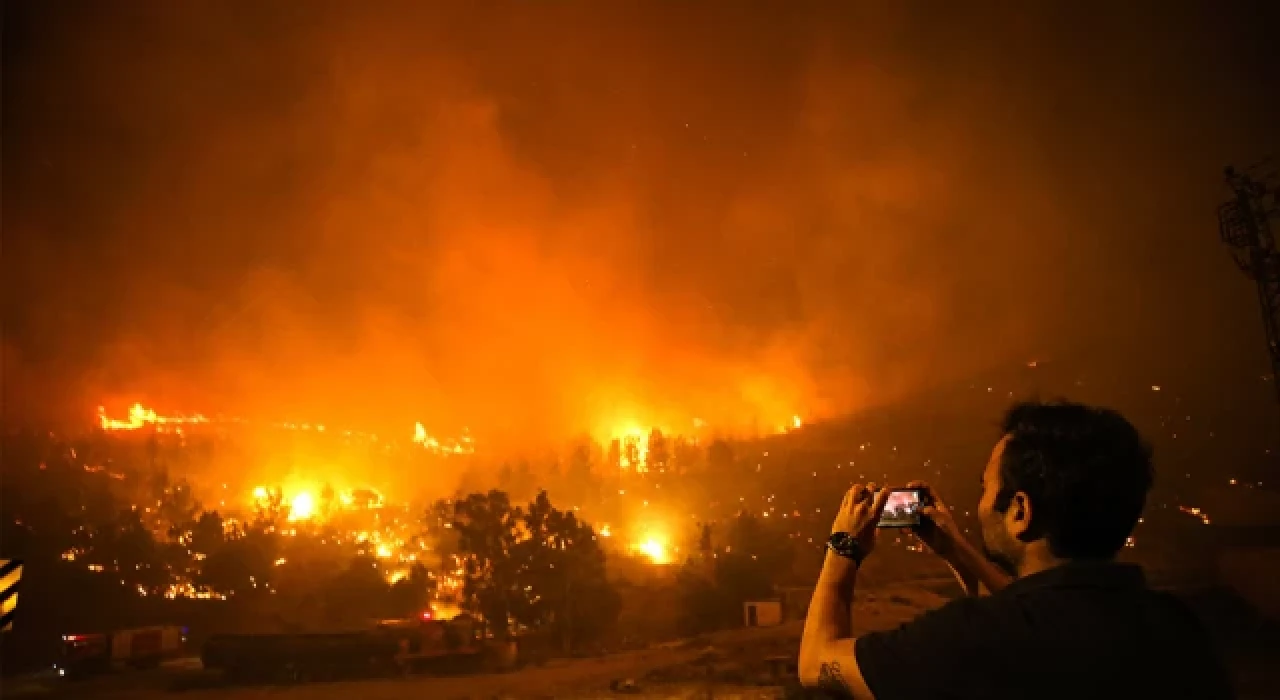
{"points": [[903, 508]]}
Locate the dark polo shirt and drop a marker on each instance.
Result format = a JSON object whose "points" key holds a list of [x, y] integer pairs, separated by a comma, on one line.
{"points": [[1085, 630]]}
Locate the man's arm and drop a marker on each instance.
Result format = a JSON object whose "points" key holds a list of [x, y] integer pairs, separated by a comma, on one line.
{"points": [[827, 659], [940, 532], [971, 567]]}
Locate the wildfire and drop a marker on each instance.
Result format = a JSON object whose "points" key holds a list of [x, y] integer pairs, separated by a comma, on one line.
{"points": [[633, 447], [140, 417], [302, 507], [655, 550], [654, 545], [796, 423], [461, 446]]}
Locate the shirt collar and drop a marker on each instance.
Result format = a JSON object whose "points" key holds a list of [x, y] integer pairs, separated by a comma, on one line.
{"points": [[1101, 574]]}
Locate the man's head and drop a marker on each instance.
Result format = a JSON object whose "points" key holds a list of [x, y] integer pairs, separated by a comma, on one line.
{"points": [[1069, 478]]}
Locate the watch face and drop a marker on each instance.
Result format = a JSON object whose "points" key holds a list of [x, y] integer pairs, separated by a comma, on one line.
{"points": [[845, 545]]}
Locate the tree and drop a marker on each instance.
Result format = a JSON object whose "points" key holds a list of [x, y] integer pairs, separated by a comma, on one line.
{"points": [[756, 554], [565, 577], [205, 535], [412, 594], [486, 527], [659, 452], [358, 593], [541, 567], [240, 563], [720, 458], [582, 483], [686, 456], [178, 505], [615, 455]]}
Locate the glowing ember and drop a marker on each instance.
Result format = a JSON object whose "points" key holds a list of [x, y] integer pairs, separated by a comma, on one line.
{"points": [[605, 531], [796, 422], [384, 552]]}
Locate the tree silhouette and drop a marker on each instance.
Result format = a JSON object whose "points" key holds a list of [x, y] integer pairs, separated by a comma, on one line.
{"points": [[720, 458], [659, 451], [411, 595], [564, 578], [540, 567], [486, 526]]}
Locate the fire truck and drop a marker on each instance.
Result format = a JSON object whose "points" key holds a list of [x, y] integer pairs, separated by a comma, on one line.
{"points": [[139, 648]]}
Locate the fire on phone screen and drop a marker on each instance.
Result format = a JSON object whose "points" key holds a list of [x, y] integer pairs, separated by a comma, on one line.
{"points": [[903, 508]]}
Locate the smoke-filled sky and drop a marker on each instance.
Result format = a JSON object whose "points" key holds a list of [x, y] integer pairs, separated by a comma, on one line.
{"points": [[542, 217]]}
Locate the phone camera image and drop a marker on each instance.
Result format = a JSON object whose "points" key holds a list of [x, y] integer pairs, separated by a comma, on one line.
{"points": [[903, 508]]}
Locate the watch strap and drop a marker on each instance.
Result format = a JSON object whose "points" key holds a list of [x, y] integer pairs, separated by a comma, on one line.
{"points": [[846, 545]]}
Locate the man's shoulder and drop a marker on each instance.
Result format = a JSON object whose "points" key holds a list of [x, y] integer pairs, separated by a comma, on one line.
{"points": [[964, 620], [954, 640]]}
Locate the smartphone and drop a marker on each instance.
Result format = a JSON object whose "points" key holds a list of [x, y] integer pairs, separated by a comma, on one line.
{"points": [[903, 507]]}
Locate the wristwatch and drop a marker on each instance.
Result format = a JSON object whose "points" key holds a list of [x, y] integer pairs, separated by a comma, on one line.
{"points": [[846, 545]]}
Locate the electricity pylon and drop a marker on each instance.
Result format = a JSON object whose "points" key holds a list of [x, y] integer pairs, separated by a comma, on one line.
{"points": [[1245, 224]]}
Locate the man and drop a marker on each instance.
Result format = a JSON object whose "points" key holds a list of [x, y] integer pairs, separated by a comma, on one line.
{"points": [[1062, 492]]}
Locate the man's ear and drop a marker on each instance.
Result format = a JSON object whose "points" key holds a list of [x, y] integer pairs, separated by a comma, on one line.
{"points": [[1019, 516]]}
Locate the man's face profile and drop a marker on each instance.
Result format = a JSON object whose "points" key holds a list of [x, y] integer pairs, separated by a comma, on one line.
{"points": [[999, 545]]}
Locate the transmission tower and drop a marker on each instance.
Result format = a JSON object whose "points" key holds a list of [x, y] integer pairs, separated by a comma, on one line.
{"points": [[1244, 222]]}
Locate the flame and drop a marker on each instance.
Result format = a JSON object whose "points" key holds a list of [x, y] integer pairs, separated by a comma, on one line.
{"points": [[302, 506], [460, 446], [632, 439], [140, 417], [605, 531], [655, 550], [384, 552], [654, 544], [796, 422]]}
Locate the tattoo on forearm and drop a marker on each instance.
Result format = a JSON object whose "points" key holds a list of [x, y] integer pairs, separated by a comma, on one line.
{"points": [[831, 679]]}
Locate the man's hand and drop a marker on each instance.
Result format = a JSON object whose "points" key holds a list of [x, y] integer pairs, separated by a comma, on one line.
{"points": [[937, 529], [860, 512]]}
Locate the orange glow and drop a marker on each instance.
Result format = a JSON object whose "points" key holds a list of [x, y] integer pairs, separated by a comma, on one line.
{"points": [[633, 444], [140, 417], [302, 507], [655, 550], [654, 544]]}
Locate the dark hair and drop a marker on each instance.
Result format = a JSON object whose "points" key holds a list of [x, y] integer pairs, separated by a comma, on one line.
{"points": [[1086, 470]]}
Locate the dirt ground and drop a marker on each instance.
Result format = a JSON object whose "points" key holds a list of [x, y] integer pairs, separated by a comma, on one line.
{"points": [[754, 663]]}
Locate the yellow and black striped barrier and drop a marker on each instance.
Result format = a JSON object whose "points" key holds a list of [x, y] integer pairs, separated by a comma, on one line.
{"points": [[10, 575]]}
